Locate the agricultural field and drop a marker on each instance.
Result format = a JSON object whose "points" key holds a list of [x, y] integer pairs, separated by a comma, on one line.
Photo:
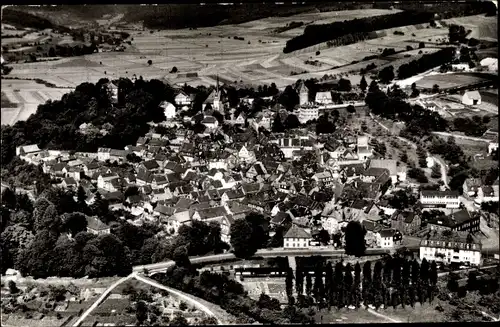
{"points": [[20, 98], [452, 80]]}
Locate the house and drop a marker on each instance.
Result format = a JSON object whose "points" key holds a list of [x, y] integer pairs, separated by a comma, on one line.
{"points": [[168, 109], [385, 238], [69, 182], [305, 114], [325, 178], [210, 122], [183, 99], [324, 97], [96, 226], [25, 150], [407, 222], [113, 89], [440, 199], [471, 98], [232, 195], [487, 193], [364, 150], [296, 237], [461, 220], [210, 214], [450, 251], [255, 170], [178, 219], [471, 186], [104, 181], [397, 173]]}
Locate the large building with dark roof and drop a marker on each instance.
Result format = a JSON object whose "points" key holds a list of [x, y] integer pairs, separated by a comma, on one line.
{"points": [[461, 220]]}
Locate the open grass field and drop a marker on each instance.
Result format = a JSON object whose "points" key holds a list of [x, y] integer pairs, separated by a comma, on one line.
{"points": [[446, 81]]}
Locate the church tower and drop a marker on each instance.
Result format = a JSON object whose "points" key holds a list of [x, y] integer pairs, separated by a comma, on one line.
{"points": [[217, 97]]}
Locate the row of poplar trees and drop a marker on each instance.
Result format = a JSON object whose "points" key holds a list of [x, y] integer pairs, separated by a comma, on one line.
{"points": [[393, 282]]}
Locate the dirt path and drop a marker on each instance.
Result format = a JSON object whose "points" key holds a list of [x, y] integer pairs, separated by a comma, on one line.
{"points": [[378, 314]]}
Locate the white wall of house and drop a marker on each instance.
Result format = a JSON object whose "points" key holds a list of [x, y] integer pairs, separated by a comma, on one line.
{"points": [[297, 243], [450, 202], [448, 255]]}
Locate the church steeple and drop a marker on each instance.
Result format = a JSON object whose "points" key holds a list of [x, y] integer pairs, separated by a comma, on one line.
{"points": [[217, 86]]}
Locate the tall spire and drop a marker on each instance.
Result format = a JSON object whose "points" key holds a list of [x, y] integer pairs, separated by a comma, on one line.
{"points": [[217, 87]]}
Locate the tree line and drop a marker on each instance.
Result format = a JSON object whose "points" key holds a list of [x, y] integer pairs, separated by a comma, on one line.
{"points": [[426, 62], [50, 237], [315, 34], [419, 122], [393, 281], [231, 296]]}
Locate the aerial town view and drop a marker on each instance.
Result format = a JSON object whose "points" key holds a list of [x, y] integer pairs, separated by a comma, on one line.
{"points": [[258, 163]]}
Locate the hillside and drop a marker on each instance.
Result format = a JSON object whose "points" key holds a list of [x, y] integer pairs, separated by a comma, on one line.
{"points": [[21, 19], [174, 16]]}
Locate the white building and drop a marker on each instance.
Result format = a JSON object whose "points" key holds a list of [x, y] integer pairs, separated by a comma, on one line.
{"points": [[324, 97], [168, 109], [471, 98], [492, 146], [397, 173], [430, 162], [490, 63], [113, 89], [297, 238], [385, 239], [450, 251], [27, 149], [306, 114], [487, 193], [440, 199], [364, 149], [96, 226], [183, 99]]}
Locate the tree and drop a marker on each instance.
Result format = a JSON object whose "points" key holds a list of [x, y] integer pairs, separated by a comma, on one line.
{"points": [[150, 62], [299, 282], [324, 237], [319, 289], [363, 84], [291, 122], [436, 171], [421, 45], [344, 85], [81, 195], [289, 283], [404, 157], [141, 312], [355, 239], [386, 75], [174, 70], [74, 222], [13, 289], [277, 125], [9, 198], [435, 88], [308, 284], [241, 239], [289, 98], [180, 256]]}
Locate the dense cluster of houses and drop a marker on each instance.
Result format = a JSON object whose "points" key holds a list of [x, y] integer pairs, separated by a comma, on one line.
{"points": [[190, 177]]}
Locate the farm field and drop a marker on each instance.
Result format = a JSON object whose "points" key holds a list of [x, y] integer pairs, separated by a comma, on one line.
{"points": [[450, 80], [20, 98]]}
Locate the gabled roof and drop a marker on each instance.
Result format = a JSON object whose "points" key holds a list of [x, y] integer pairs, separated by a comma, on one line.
{"points": [[96, 224], [387, 233], [297, 232], [212, 212], [474, 95]]}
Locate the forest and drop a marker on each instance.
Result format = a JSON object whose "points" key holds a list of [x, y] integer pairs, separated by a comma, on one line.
{"points": [[426, 62], [315, 34], [414, 13], [56, 123]]}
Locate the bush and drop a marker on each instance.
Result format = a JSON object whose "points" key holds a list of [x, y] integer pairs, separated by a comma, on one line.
{"points": [[318, 53]]}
